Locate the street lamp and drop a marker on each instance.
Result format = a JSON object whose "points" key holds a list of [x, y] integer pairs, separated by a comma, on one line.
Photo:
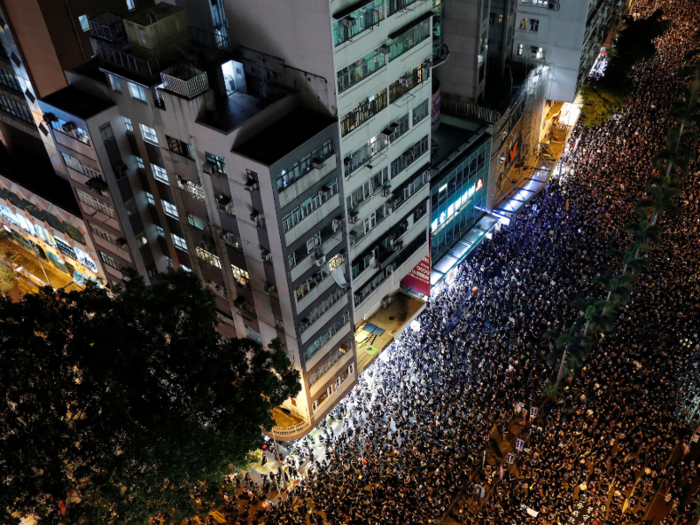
{"points": [[20, 268]]}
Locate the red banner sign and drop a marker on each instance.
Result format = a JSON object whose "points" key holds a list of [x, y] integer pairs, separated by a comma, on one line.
{"points": [[418, 279]]}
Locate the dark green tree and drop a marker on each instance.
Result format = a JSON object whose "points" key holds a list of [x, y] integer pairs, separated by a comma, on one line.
{"points": [[132, 402]]}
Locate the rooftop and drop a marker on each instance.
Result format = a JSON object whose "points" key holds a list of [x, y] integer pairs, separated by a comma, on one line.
{"points": [[453, 133], [284, 136], [146, 15], [76, 102]]}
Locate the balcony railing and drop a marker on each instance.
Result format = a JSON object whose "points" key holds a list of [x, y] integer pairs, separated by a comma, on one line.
{"points": [[185, 80], [147, 68], [108, 26]]}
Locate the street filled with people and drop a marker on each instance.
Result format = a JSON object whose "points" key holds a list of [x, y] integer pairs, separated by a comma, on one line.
{"points": [[414, 440]]}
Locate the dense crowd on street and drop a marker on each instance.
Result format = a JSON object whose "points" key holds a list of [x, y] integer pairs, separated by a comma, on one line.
{"points": [[416, 428]]}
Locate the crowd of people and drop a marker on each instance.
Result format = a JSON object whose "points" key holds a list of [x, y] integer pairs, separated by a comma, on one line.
{"points": [[615, 445]]}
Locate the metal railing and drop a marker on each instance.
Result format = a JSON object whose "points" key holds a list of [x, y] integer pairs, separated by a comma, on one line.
{"points": [[290, 431], [147, 68], [210, 39], [185, 80], [108, 26]]}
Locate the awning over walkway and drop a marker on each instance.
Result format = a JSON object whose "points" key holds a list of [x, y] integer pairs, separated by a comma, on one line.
{"points": [[538, 180], [464, 247]]}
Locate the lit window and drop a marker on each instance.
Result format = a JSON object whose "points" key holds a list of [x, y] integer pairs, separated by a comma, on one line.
{"points": [[520, 50], [149, 134], [149, 197], [137, 92], [208, 257], [84, 24], [128, 125], [114, 81], [179, 242], [239, 274], [185, 268], [131, 4], [110, 260], [523, 24], [218, 162], [160, 174], [139, 162], [160, 230], [169, 261], [170, 209]]}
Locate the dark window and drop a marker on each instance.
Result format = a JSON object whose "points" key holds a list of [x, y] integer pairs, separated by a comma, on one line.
{"points": [[179, 147]]}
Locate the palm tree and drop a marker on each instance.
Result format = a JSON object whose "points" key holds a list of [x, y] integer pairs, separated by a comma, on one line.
{"points": [[618, 286]]}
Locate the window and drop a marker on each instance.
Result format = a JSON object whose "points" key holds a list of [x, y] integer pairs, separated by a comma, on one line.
{"points": [[179, 147], [292, 260], [179, 242], [326, 305], [185, 268], [128, 125], [160, 230], [18, 109], [139, 162], [360, 69], [394, 6], [314, 241], [169, 209], [534, 25], [84, 24], [208, 257], [196, 222], [523, 24], [89, 200], [104, 234], [308, 206], [408, 40], [409, 156], [142, 34], [218, 162], [149, 198], [114, 82], [239, 274], [169, 261], [9, 79], [361, 155], [358, 21], [137, 92], [160, 174], [536, 53], [520, 50], [131, 5], [149, 134], [304, 165], [420, 112], [408, 81], [326, 336], [110, 261], [363, 112]]}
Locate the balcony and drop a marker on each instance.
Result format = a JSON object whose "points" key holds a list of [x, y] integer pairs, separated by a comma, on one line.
{"points": [[307, 181], [312, 219]]}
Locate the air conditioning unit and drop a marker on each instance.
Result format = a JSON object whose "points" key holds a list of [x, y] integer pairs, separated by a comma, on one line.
{"points": [[347, 161], [50, 117], [335, 224], [389, 269], [208, 167], [384, 48], [230, 238], [269, 288], [68, 127], [386, 302], [353, 218], [348, 21], [265, 255], [403, 81], [121, 241], [427, 63], [386, 191], [319, 261], [397, 246], [119, 169], [230, 209], [317, 164], [256, 216], [354, 233], [251, 186], [324, 191], [386, 134]]}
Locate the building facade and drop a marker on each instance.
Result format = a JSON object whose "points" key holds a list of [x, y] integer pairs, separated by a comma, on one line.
{"points": [[567, 36]]}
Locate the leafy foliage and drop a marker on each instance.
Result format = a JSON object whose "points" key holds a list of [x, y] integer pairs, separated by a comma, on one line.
{"points": [[133, 399], [7, 278]]}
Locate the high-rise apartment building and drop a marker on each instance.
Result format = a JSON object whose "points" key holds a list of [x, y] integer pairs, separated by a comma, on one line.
{"points": [[300, 199], [567, 36]]}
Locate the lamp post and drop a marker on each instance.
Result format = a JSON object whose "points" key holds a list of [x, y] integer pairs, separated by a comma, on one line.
{"points": [[21, 267]]}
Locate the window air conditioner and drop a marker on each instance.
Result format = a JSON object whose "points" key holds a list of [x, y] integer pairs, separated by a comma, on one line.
{"points": [[397, 246], [403, 81], [324, 192], [256, 215], [335, 225], [349, 21], [317, 164], [251, 186], [386, 134], [386, 302], [386, 191], [119, 169], [50, 117], [319, 261], [389, 269], [353, 218], [208, 167], [269, 288], [384, 48], [265, 255], [68, 127]]}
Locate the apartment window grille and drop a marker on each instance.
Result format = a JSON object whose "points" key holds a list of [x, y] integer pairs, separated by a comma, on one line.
{"points": [[150, 199], [208, 257], [409, 156], [218, 162], [104, 234], [307, 207], [409, 81], [360, 69], [170, 209], [89, 200], [410, 39], [149, 134], [358, 21], [304, 165], [128, 125], [364, 153], [179, 242], [326, 336], [110, 261], [365, 110], [160, 174], [181, 148]]}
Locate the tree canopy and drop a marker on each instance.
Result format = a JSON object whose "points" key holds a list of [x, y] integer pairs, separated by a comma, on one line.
{"points": [[133, 400], [608, 95]]}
